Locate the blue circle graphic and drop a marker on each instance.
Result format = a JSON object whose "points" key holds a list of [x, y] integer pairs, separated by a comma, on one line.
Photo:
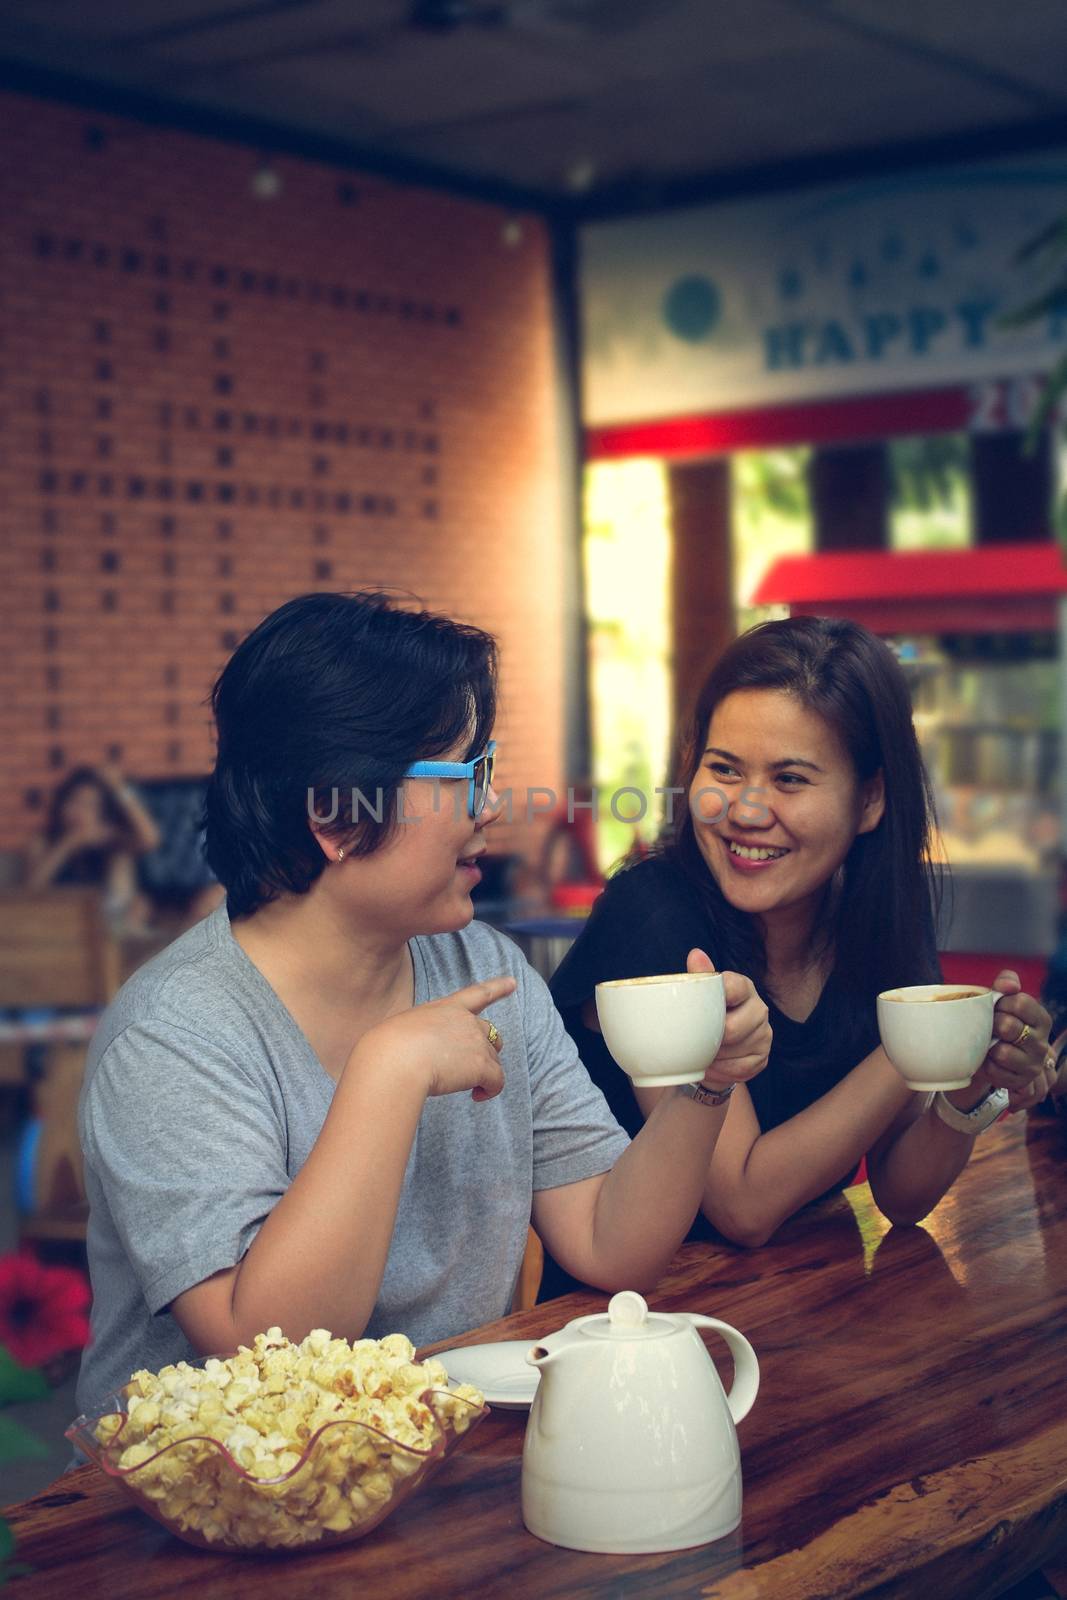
{"points": [[691, 308]]}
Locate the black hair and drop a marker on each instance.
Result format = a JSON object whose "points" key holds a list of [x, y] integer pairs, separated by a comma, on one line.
{"points": [[878, 914], [329, 694]]}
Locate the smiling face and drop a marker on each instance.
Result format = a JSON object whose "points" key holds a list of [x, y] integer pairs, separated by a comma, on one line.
{"points": [[772, 852]]}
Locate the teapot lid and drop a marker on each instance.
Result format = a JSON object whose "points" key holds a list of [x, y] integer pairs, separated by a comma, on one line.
{"points": [[628, 1317]]}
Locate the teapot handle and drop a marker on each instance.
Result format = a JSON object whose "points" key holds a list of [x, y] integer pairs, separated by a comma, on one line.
{"points": [[745, 1386]]}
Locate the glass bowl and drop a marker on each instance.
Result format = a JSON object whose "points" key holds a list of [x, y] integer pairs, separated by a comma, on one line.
{"points": [[349, 1477]]}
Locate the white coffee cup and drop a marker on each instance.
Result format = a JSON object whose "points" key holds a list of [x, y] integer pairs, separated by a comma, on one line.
{"points": [[937, 1034], [663, 1030]]}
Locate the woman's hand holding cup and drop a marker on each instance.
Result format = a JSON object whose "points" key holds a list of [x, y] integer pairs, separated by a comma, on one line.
{"points": [[746, 1039], [685, 1027], [1020, 1059], [948, 1046]]}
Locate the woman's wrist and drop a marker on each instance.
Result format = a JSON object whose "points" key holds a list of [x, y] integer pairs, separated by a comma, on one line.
{"points": [[967, 1098], [396, 1073]]}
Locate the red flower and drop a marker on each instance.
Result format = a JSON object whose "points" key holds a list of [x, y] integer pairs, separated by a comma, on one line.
{"points": [[43, 1309]]}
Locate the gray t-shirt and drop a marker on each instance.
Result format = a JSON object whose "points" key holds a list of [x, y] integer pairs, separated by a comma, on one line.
{"points": [[203, 1099]]}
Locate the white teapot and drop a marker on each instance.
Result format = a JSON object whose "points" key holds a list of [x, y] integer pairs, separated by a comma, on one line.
{"points": [[631, 1445]]}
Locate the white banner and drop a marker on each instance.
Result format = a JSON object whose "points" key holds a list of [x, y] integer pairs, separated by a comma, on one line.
{"points": [[894, 283]]}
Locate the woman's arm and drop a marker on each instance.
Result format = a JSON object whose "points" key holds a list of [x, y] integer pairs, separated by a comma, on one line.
{"points": [[757, 1180], [121, 881], [302, 1270], [45, 862], [622, 1229], [915, 1162], [917, 1159], [144, 834]]}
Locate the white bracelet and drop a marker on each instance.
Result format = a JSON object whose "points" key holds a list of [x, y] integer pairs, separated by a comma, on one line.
{"points": [[979, 1118]]}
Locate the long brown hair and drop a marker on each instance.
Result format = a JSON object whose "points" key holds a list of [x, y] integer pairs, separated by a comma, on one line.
{"points": [[879, 913]]}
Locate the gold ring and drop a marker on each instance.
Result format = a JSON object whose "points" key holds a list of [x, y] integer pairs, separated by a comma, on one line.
{"points": [[1021, 1040], [494, 1035]]}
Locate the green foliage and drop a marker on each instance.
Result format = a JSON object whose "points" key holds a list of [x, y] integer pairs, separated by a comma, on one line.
{"points": [[1048, 252], [1050, 397], [928, 471], [775, 480]]}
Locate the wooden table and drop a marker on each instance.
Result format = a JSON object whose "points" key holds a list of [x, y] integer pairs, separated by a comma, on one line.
{"points": [[909, 1439]]}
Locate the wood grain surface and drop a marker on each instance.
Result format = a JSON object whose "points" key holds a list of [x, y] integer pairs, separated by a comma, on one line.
{"points": [[909, 1439]]}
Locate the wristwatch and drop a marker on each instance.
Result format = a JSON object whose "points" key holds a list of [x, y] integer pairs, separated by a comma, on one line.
{"points": [[980, 1117], [708, 1097]]}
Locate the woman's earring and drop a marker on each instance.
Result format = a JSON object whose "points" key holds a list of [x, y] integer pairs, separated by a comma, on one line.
{"points": [[341, 853]]}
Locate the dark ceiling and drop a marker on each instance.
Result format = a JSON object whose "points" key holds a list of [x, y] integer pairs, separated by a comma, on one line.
{"points": [[584, 106]]}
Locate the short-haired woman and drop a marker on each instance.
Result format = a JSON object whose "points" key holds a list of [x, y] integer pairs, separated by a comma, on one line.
{"points": [[336, 1101]]}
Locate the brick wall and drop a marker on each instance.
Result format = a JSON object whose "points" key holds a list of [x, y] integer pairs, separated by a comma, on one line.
{"points": [[212, 402]]}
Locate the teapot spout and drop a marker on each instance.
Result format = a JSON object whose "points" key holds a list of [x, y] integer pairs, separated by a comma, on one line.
{"points": [[550, 1410], [539, 1355], [550, 1348]]}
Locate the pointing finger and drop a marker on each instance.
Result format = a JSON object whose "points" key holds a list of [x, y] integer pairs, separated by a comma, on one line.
{"points": [[476, 996]]}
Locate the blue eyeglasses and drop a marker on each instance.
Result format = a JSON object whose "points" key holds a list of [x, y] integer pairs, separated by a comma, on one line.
{"points": [[478, 773]]}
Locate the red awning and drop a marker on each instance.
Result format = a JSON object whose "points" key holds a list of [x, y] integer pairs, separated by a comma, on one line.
{"points": [[997, 588], [844, 418]]}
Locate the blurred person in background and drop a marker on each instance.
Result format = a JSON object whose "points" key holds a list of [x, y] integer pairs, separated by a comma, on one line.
{"points": [[802, 860], [97, 829], [569, 875]]}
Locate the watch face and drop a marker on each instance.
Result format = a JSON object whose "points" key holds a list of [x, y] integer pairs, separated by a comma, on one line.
{"points": [[708, 1097]]}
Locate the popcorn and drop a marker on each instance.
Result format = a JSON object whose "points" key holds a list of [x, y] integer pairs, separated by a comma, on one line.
{"points": [[263, 1406]]}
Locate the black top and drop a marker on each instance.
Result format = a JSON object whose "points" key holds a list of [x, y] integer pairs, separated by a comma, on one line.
{"points": [[89, 867], [646, 922]]}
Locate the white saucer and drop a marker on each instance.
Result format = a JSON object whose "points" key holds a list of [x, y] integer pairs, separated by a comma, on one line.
{"points": [[498, 1370]]}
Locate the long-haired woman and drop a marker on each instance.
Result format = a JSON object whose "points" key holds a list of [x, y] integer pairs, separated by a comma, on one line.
{"points": [[801, 857]]}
